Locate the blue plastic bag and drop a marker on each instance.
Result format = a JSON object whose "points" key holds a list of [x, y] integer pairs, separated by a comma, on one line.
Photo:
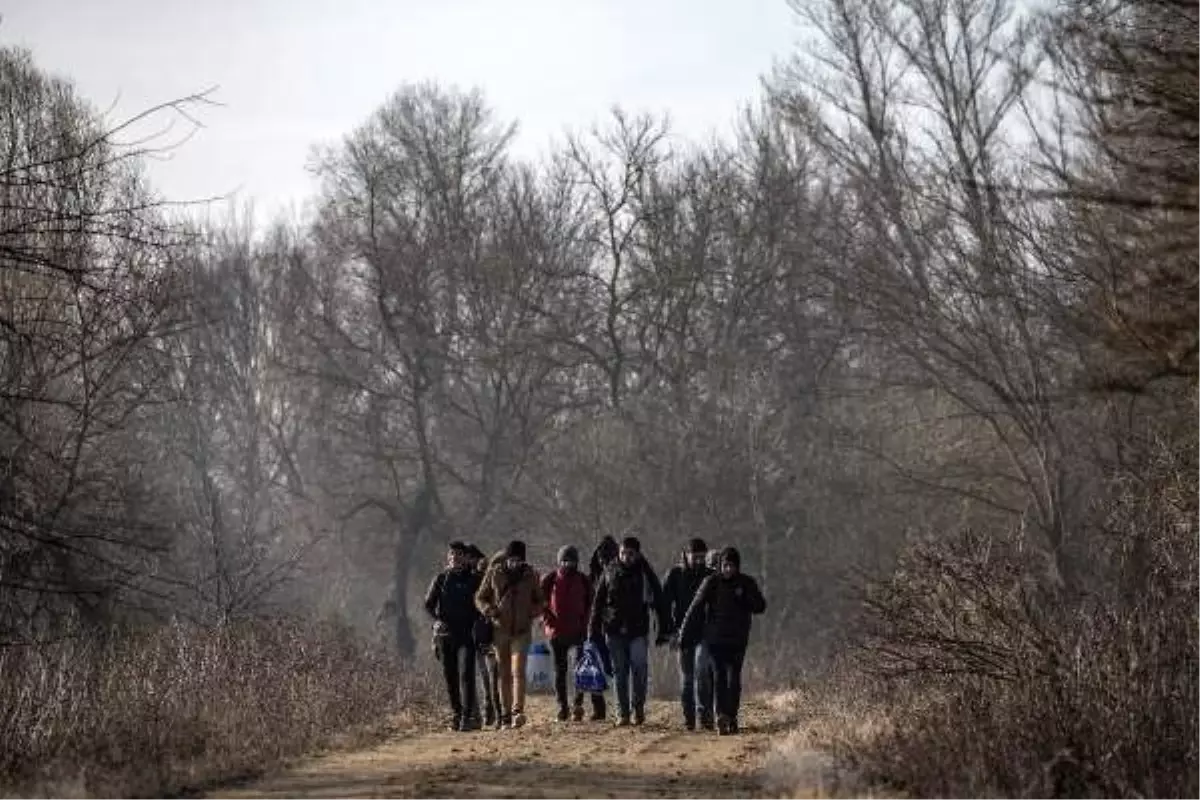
{"points": [[589, 672]]}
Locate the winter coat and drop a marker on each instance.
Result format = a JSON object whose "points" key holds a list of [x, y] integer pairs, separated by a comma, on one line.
{"points": [[679, 589], [568, 609], [625, 598], [511, 601], [722, 610], [451, 600]]}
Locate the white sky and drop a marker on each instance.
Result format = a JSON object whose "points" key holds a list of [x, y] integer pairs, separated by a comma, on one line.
{"points": [[294, 73]]}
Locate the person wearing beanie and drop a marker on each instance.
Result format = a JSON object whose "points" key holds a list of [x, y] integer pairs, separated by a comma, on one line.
{"points": [[680, 585], [568, 594], [510, 597], [721, 616], [627, 593], [450, 602]]}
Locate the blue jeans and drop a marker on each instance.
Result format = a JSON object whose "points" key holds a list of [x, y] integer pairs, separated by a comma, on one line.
{"points": [[695, 684], [630, 658], [703, 666]]}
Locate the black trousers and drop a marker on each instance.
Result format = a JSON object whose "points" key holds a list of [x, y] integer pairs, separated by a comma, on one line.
{"points": [[562, 647], [727, 675], [458, 668]]}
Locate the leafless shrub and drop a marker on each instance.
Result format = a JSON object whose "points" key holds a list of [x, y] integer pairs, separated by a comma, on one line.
{"points": [[157, 711], [996, 691]]}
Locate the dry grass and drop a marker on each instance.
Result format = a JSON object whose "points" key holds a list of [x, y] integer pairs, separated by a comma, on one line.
{"points": [[825, 714], [176, 708]]}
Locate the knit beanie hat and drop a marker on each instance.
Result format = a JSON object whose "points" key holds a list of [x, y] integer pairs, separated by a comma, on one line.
{"points": [[697, 545], [515, 549], [631, 543], [568, 553]]}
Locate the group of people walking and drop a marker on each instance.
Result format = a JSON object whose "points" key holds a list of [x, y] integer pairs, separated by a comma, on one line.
{"points": [[485, 609]]}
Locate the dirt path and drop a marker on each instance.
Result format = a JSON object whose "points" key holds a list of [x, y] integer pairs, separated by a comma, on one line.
{"points": [[543, 759]]}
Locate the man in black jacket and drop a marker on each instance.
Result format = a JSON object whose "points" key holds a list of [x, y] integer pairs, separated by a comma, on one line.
{"points": [[451, 602], [485, 654], [721, 615], [627, 593], [679, 589]]}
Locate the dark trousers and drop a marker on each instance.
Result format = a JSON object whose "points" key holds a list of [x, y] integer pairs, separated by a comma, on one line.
{"points": [[695, 684], [458, 668], [727, 674], [489, 670], [563, 647]]}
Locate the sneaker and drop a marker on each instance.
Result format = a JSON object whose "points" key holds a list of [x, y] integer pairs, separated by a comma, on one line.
{"points": [[689, 724], [469, 724], [577, 714], [639, 716], [563, 715], [518, 719], [503, 721], [706, 722], [623, 721], [724, 727]]}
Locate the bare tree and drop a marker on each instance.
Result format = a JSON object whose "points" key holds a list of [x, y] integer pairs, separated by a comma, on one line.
{"points": [[84, 257], [943, 270]]}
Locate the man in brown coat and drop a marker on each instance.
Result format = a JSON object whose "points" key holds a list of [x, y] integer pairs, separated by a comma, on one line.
{"points": [[511, 597]]}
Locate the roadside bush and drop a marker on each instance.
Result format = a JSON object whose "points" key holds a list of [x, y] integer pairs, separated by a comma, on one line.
{"points": [[996, 687], [168, 709]]}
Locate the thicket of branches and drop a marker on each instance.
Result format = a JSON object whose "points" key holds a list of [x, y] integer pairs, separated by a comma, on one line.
{"points": [[929, 317]]}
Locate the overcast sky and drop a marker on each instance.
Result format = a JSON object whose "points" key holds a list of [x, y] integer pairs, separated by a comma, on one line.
{"points": [[293, 73]]}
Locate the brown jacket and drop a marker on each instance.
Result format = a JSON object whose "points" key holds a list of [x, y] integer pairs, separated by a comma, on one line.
{"points": [[512, 606]]}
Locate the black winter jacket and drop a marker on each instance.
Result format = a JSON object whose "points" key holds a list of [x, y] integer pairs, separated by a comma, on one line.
{"points": [[679, 589], [451, 600], [722, 610], [625, 598]]}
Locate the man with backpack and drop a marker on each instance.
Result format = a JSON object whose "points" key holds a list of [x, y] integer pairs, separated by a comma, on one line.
{"points": [[510, 596], [568, 594], [721, 615], [451, 602], [679, 589], [627, 594]]}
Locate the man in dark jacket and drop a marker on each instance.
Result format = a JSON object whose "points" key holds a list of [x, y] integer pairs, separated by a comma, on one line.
{"points": [[568, 594], [604, 555], [627, 594], [451, 602], [485, 654], [721, 615], [680, 585]]}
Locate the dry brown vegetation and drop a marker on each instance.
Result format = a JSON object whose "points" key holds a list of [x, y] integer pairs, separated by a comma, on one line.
{"points": [[165, 710]]}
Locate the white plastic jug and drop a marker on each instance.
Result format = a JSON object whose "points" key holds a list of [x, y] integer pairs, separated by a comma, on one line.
{"points": [[539, 668]]}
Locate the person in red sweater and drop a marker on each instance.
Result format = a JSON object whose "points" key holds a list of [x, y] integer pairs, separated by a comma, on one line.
{"points": [[568, 594]]}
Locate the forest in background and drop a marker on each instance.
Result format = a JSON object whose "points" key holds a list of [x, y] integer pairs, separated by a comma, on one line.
{"points": [[921, 339]]}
